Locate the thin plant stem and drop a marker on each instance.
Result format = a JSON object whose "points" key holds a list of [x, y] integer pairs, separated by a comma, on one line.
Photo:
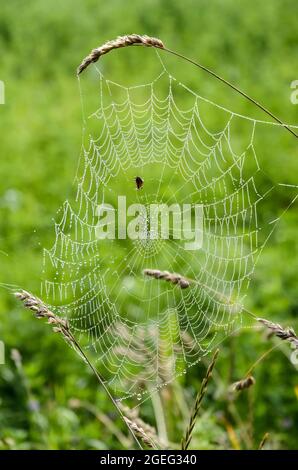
{"points": [[193, 418], [285, 334], [75, 403]]}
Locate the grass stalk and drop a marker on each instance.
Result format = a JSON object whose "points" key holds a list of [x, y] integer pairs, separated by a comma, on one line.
{"points": [[263, 441], [159, 417]]}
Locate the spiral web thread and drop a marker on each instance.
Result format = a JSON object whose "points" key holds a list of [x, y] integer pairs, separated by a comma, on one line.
{"points": [[145, 332]]}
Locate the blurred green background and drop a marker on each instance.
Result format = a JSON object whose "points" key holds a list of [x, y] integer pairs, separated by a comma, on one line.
{"points": [[48, 399]]}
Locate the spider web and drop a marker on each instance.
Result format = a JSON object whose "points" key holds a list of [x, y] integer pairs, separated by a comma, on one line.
{"points": [[144, 331]]}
